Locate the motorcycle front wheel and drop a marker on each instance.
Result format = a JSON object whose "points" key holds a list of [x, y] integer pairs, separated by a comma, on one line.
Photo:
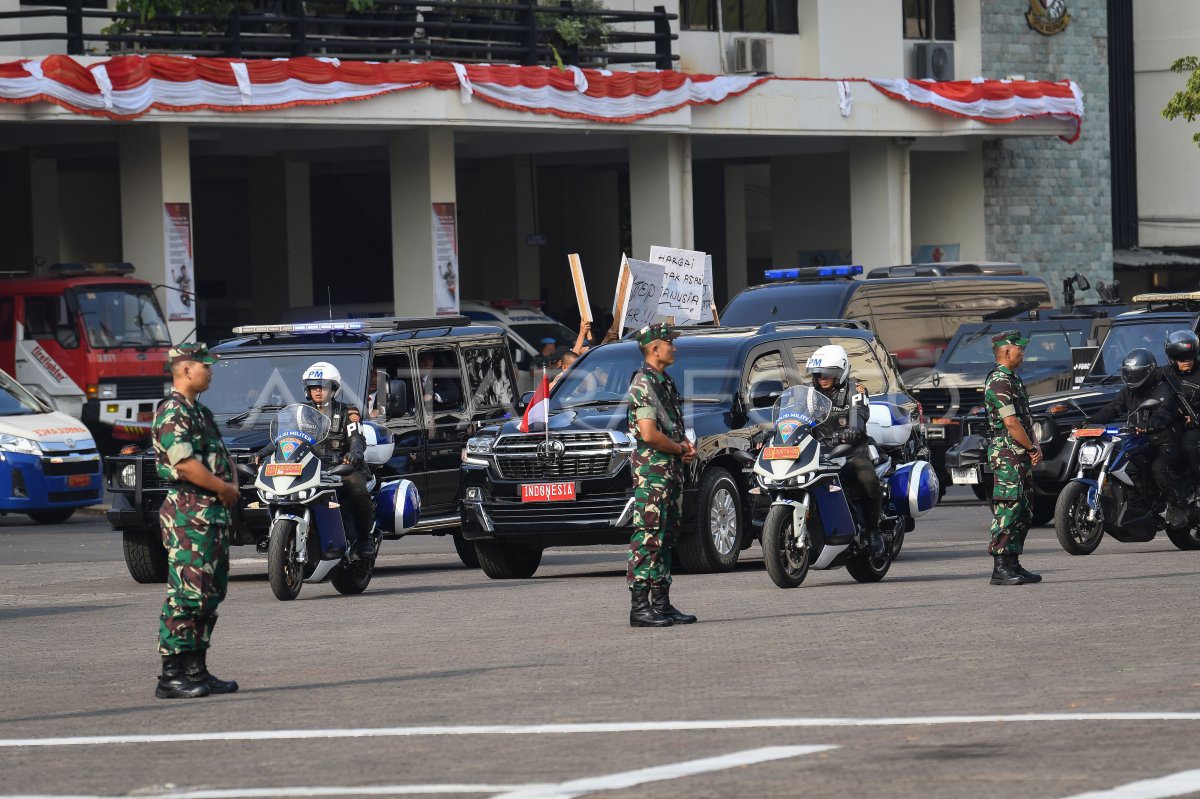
{"points": [[787, 562], [1075, 533], [284, 569]]}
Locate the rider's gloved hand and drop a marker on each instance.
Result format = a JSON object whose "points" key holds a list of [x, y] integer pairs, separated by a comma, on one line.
{"points": [[356, 460]]}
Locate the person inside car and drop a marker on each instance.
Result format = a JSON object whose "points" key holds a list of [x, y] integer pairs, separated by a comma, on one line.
{"points": [[1145, 381], [829, 367]]}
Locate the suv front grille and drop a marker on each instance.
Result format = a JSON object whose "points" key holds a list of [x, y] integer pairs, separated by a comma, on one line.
{"points": [[938, 402], [584, 455]]}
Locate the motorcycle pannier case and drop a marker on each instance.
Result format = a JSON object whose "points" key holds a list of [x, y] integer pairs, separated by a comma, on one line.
{"points": [[399, 507], [915, 488]]}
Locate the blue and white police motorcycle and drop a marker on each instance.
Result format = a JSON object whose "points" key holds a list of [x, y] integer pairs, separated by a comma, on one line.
{"points": [[308, 540], [815, 521]]}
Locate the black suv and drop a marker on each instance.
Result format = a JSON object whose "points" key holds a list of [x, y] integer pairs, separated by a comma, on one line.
{"points": [[1055, 415], [469, 379], [954, 386], [523, 492]]}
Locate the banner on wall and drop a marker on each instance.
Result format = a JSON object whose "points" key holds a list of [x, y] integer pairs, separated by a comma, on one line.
{"points": [[445, 258], [181, 278]]}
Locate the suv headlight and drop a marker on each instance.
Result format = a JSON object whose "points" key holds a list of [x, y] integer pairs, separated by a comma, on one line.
{"points": [[128, 475], [1043, 429], [480, 445], [1089, 454], [26, 446]]}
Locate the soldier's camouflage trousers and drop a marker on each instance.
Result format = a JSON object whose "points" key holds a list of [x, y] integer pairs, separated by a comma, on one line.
{"points": [[197, 579], [1012, 472], [657, 512]]}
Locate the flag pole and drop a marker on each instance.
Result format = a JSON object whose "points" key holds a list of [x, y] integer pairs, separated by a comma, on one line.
{"points": [[546, 412]]}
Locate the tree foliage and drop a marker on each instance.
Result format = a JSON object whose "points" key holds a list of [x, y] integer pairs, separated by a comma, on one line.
{"points": [[1186, 103]]}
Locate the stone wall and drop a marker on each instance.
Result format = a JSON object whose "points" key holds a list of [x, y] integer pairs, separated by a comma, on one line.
{"points": [[1047, 203]]}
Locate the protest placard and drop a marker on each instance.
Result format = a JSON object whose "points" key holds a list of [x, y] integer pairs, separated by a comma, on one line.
{"points": [[681, 290], [581, 295], [642, 300]]}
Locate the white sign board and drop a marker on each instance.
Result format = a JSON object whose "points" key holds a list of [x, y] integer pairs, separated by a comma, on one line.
{"points": [[645, 287], [682, 285]]}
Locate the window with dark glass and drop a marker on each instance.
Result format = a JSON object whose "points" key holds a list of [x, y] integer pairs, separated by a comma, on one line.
{"points": [[741, 16], [929, 19]]}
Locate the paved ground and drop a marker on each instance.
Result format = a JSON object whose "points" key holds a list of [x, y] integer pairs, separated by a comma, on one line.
{"points": [[929, 684]]}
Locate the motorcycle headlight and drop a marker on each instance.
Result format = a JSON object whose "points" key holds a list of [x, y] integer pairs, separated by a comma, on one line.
{"points": [[1043, 429], [1089, 454], [26, 446], [106, 391], [128, 476]]}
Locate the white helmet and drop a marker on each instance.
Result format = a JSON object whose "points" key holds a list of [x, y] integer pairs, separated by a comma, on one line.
{"points": [[829, 361], [323, 374]]}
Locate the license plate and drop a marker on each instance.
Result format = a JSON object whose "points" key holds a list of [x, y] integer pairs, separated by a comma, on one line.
{"points": [[967, 476], [78, 480], [1088, 432], [781, 453], [284, 469], [548, 492]]}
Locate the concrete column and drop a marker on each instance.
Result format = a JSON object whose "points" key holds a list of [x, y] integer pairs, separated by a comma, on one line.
{"points": [[43, 201], [296, 190], [422, 173], [879, 203], [735, 230], [660, 192], [528, 257], [154, 170]]}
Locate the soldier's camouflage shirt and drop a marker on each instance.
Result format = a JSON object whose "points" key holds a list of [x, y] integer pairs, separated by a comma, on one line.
{"points": [[183, 431], [653, 395], [1004, 395]]}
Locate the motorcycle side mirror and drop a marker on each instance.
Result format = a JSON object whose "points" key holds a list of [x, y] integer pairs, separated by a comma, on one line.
{"points": [[342, 469], [246, 470], [763, 393], [841, 450], [743, 457]]}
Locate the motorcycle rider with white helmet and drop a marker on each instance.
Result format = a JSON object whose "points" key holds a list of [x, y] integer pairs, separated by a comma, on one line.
{"points": [[829, 368], [344, 444]]}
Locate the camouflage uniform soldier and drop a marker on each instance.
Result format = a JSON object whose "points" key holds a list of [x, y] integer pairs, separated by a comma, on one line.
{"points": [[195, 520], [1013, 452], [656, 424]]}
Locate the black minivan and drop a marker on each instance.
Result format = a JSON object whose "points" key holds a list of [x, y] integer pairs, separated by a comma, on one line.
{"points": [[914, 310]]}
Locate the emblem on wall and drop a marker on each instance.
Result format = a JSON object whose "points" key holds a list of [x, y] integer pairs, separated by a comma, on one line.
{"points": [[1048, 17]]}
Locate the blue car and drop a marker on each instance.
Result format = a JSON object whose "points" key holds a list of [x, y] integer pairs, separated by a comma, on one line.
{"points": [[49, 465]]}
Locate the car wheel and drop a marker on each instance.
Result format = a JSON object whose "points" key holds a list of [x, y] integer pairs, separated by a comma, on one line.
{"points": [[145, 555], [502, 561], [56, 516], [466, 551], [714, 543]]}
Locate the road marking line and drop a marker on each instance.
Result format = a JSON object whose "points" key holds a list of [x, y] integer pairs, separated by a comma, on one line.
{"points": [[588, 727], [1179, 784], [268, 793], [673, 771]]}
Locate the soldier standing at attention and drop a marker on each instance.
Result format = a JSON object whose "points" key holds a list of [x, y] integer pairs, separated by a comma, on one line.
{"points": [[195, 522], [656, 424], [1012, 453]]}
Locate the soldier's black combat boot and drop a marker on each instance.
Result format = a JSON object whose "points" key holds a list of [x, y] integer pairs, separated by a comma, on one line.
{"points": [[1028, 576], [173, 683], [641, 614], [1003, 572], [195, 666], [660, 600]]}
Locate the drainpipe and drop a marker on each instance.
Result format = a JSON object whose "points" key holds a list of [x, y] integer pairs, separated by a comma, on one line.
{"points": [[905, 143], [689, 222]]}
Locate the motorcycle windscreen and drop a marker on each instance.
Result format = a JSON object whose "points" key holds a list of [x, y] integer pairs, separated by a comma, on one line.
{"points": [[330, 529], [834, 512]]}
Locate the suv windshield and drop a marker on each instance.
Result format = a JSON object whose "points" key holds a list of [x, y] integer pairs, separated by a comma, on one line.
{"points": [[1045, 346], [604, 374], [1123, 338], [16, 401], [260, 384], [120, 316]]}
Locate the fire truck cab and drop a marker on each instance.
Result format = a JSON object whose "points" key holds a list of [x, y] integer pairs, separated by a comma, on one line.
{"points": [[89, 341]]}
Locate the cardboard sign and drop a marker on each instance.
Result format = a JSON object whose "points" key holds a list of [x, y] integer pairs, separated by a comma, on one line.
{"points": [[621, 299], [581, 295], [642, 302], [684, 274]]}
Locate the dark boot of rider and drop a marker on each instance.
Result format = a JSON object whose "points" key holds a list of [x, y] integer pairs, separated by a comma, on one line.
{"points": [[1003, 572], [195, 666], [173, 683], [878, 547], [660, 600], [1027, 575], [642, 614]]}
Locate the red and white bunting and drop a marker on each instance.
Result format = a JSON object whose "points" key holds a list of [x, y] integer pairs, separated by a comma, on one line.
{"points": [[126, 87]]}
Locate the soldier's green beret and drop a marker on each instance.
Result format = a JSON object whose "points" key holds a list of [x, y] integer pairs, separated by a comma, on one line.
{"points": [[657, 332], [1009, 337], [189, 352]]}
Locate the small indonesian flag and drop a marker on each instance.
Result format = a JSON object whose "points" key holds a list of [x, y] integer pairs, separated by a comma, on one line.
{"points": [[539, 406]]}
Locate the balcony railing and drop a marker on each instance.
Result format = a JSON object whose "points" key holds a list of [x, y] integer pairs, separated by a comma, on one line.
{"points": [[520, 32]]}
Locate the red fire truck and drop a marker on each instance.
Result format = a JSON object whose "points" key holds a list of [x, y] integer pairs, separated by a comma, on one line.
{"points": [[90, 342]]}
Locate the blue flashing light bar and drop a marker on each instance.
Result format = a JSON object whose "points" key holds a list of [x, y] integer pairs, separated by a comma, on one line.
{"points": [[300, 327], [800, 272]]}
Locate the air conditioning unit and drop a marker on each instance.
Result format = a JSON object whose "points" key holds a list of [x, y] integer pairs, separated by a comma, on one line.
{"points": [[934, 60], [751, 54]]}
